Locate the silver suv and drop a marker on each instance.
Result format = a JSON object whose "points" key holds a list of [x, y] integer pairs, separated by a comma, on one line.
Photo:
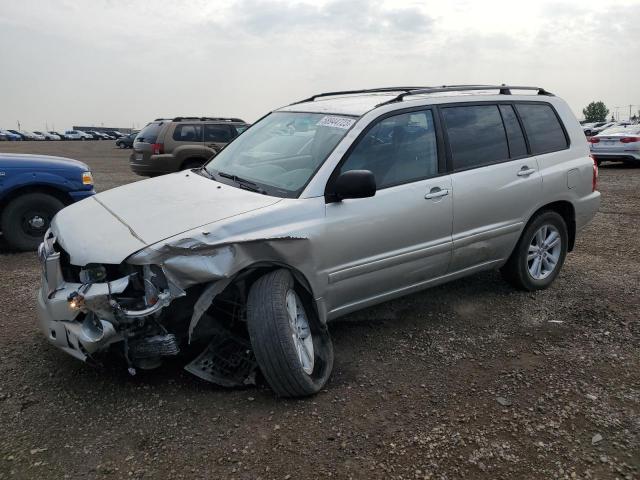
{"points": [[326, 206]]}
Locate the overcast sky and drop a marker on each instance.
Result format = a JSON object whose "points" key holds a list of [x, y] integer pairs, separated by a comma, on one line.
{"points": [[124, 62]]}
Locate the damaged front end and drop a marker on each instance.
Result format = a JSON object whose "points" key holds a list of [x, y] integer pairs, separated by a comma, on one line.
{"points": [[138, 312]]}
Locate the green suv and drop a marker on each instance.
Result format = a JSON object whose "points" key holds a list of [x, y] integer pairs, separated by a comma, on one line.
{"points": [[181, 143]]}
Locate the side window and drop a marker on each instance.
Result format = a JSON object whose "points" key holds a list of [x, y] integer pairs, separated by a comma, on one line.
{"points": [[187, 133], [398, 149], [217, 133], [517, 145], [543, 128], [476, 135]]}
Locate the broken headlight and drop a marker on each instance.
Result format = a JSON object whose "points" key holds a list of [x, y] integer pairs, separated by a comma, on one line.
{"points": [[93, 273]]}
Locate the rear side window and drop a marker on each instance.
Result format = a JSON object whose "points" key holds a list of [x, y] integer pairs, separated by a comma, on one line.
{"points": [[187, 133], [517, 145], [543, 128], [149, 134], [217, 133], [476, 135]]}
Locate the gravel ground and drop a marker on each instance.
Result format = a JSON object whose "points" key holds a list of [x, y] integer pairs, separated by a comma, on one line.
{"points": [[467, 380]]}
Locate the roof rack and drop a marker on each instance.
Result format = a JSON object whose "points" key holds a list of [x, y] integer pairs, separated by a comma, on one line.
{"points": [[218, 119], [502, 90], [407, 91], [354, 92]]}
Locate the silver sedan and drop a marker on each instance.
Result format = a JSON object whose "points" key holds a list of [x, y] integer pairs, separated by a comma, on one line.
{"points": [[619, 143]]}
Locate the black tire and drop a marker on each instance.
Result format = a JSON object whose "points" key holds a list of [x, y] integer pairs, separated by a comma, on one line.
{"points": [[190, 164], [14, 220], [121, 145], [516, 270], [273, 345]]}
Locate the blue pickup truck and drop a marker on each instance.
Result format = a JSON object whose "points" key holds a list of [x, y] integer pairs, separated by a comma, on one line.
{"points": [[33, 188]]}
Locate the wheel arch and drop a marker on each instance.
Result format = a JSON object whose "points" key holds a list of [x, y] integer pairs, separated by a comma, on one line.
{"points": [[61, 195], [192, 158], [568, 213], [251, 273]]}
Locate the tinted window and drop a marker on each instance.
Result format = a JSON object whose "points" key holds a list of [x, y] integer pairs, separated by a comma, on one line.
{"points": [[476, 135], [397, 149], [543, 128], [240, 128], [517, 145], [149, 134], [187, 133], [217, 133]]}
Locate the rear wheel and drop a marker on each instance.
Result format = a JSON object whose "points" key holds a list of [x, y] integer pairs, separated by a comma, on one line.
{"points": [[538, 257], [294, 351], [26, 218]]}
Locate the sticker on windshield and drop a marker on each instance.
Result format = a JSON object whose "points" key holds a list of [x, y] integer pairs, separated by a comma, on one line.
{"points": [[336, 122]]}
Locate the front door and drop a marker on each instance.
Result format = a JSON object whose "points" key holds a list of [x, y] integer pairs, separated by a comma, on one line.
{"points": [[379, 247]]}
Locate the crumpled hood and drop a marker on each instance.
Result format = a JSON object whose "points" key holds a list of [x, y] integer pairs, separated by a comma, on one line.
{"points": [[111, 225]]}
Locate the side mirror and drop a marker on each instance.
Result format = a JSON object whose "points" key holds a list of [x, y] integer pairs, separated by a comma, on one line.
{"points": [[354, 184]]}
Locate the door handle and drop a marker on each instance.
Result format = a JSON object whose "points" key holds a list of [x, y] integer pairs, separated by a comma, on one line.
{"points": [[436, 192], [526, 171]]}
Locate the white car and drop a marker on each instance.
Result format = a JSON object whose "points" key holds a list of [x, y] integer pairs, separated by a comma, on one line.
{"points": [[47, 135], [618, 143], [31, 135], [75, 135]]}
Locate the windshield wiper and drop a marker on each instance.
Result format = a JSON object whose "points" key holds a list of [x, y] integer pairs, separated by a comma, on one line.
{"points": [[243, 182], [204, 172]]}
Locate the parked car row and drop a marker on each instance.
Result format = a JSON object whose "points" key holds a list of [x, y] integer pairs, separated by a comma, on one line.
{"points": [[20, 135], [591, 129]]}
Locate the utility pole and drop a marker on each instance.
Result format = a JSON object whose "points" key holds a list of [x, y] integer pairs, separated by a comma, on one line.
{"points": [[18, 125]]}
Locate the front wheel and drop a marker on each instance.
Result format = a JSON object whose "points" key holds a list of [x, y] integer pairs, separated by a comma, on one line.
{"points": [[26, 219], [293, 350], [539, 255]]}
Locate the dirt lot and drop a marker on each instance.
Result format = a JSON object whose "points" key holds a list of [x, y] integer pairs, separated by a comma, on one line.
{"points": [[468, 380]]}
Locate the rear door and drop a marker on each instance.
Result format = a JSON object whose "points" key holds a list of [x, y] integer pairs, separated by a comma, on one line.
{"points": [[495, 181], [380, 247], [216, 136]]}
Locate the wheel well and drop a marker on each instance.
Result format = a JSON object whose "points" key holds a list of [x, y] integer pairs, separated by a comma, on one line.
{"points": [[192, 159], [54, 192], [247, 277], [568, 213]]}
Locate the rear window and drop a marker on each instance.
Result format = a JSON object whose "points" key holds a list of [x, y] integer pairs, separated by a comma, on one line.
{"points": [[476, 136], [149, 134], [543, 128], [188, 133]]}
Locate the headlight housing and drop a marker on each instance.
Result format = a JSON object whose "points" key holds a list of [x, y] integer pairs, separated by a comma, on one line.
{"points": [[87, 178]]}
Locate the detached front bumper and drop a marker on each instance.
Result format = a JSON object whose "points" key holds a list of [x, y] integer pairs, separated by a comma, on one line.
{"points": [[73, 331], [99, 322]]}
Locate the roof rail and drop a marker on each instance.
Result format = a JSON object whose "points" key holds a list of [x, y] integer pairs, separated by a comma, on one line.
{"points": [[220, 119], [354, 92], [502, 90]]}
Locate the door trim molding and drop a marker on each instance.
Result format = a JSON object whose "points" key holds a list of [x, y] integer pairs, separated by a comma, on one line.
{"points": [[389, 261]]}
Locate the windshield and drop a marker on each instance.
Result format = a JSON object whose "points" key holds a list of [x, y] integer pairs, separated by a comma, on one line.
{"points": [[280, 153]]}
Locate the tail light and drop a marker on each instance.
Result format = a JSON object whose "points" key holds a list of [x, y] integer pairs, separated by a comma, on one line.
{"points": [[593, 140], [157, 148], [594, 178], [630, 139]]}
